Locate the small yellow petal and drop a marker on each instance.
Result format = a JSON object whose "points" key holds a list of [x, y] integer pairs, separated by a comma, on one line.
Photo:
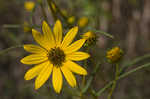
{"points": [[89, 35], [57, 79], [74, 46], [69, 37], [69, 76], [44, 75], [77, 56], [39, 38], [75, 68], [34, 49], [48, 35], [34, 71], [34, 59], [58, 32]]}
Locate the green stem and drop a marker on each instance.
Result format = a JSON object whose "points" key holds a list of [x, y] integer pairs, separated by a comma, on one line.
{"points": [[89, 81], [9, 49], [120, 77], [32, 13], [11, 26], [43, 11], [136, 60], [52, 10], [59, 11], [83, 78], [82, 86], [114, 82], [102, 32]]}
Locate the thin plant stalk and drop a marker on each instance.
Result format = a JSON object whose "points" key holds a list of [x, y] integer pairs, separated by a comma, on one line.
{"points": [[114, 82], [52, 10], [120, 77], [43, 11], [9, 49]]}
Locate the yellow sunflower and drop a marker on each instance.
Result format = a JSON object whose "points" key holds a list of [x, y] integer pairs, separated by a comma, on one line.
{"points": [[54, 56]]}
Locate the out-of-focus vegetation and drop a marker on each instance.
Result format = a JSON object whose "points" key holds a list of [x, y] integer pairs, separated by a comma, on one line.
{"points": [[127, 23]]}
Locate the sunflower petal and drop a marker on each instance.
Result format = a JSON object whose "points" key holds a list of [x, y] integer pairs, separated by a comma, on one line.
{"points": [[57, 79], [74, 46], [58, 32], [44, 75], [69, 76], [34, 59], [34, 71], [75, 68], [48, 35], [34, 49], [38, 37], [77, 56], [69, 37]]}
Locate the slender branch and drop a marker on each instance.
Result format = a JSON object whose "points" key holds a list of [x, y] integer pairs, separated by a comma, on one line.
{"points": [[136, 60], [59, 11], [83, 78], [52, 10], [114, 82], [11, 26], [102, 32], [9, 49], [120, 77], [32, 13], [90, 78], [43, 11]]}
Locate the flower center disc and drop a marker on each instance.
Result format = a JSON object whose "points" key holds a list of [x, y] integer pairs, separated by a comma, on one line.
{"points": [[56, 56]]}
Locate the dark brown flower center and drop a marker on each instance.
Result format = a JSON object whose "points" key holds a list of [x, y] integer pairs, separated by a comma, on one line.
{"points": [[56, 56]]}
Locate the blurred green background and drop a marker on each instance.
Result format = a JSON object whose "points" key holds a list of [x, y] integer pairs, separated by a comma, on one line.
{"points": [[127, 20]]}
